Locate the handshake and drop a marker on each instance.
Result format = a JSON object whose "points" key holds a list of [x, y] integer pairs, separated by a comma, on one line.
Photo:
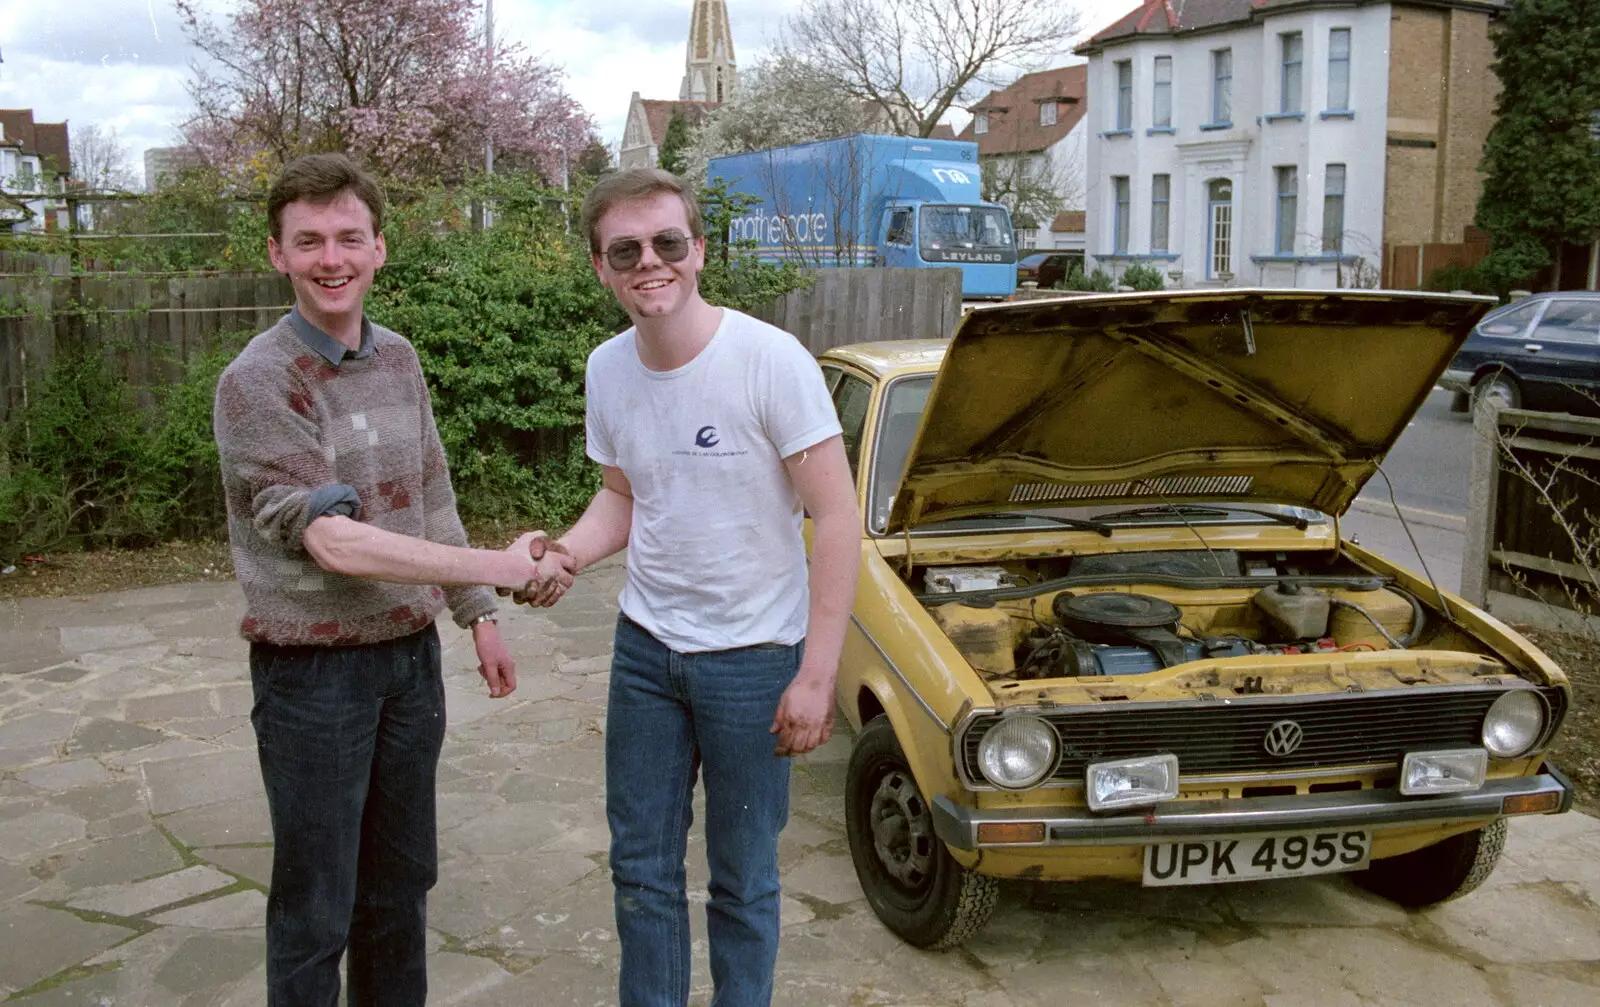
{"points": [[553, 569]]}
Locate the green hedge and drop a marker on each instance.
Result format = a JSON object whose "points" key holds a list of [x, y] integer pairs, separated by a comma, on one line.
{"points": [[503, 320]]}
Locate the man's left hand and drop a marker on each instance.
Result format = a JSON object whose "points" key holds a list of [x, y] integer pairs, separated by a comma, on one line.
{"points": [[494, 660], [805, 713]]}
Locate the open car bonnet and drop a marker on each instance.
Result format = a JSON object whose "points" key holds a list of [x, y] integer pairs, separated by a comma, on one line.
{"points": [[1264, 396]]}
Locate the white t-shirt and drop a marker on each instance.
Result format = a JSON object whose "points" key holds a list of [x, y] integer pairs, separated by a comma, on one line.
{"points": [[715, 555]]}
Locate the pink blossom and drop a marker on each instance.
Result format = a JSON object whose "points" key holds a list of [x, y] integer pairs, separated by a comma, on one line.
{"points": [[404, 84]]}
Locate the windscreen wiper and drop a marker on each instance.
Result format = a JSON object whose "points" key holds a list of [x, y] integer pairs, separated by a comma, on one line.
{"points": [[1098, 527], [1201, 510]]}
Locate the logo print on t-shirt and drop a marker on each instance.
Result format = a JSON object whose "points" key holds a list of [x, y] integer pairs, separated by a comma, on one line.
{"points": [[706, 438]]}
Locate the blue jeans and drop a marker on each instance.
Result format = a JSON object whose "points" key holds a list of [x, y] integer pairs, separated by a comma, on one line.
{"points": [[349, 741], [669, 714]]}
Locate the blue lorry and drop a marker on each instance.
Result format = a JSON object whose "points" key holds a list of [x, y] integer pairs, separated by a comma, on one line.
{"points": [[875, 201]]}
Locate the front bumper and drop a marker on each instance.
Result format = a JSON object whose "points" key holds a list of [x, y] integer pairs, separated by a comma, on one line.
{"points": [[1456, 381], [958, 826]]}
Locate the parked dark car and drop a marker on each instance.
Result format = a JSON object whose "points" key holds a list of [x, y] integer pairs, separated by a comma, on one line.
{"points": [[1047, 268], [1539, 352]]}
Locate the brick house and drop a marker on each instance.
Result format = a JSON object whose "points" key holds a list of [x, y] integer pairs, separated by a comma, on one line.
{"points": [[1031, 137], [1285, 142], [35, 161]]}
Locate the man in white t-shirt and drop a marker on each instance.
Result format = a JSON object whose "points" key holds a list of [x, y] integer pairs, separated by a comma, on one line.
{"points": [[713, 430]]}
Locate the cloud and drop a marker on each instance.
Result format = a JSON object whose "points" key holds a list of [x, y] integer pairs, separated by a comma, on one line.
{"points": [[139, 32], [611, 48]]}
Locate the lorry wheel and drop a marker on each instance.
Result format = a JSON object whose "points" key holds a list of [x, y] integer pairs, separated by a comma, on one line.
{"points": [[913, 884], [1438, 873]]}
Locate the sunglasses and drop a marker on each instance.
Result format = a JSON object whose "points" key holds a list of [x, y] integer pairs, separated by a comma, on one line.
{"points": [[625, 253]]}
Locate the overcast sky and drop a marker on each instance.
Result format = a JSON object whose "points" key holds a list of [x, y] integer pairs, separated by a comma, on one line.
{"points": [[124, 63]]}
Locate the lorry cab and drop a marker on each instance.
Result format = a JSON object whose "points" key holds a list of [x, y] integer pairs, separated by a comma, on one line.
{"points": [[864, 200], [976, 238]]}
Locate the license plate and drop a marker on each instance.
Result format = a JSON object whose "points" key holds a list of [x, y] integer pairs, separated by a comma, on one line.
{"points": [[1249, 858]]}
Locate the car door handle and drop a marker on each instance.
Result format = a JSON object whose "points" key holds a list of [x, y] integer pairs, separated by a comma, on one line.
{"points": [[1533, 347]]}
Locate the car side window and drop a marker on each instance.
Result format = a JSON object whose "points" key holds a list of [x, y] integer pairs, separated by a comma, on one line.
{"points": [[1570, 322], [851, 399], [831, 376], [1511, 323]]}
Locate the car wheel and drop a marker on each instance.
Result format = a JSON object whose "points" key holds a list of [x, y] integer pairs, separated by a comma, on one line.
{"points": [[1500, 389], [1440, 872], [913, 884]]}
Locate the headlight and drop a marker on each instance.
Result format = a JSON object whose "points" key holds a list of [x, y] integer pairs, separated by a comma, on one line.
{"points": [[1450, 772], [1513, 724], [1018, 752], [1131, 783]]}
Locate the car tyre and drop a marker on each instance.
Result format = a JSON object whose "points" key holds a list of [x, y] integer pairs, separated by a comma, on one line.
{"points": [[1438, 873], [1500, 388], [911, 881]]}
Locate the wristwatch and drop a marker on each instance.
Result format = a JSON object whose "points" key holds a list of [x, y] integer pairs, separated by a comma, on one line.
{"points": [[486, 617]]}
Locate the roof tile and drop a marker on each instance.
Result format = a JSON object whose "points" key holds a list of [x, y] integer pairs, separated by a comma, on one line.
{"points": [[1014, 111]]}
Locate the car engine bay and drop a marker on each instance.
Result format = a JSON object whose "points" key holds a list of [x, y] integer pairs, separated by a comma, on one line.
{"points": [[1134, 613]]}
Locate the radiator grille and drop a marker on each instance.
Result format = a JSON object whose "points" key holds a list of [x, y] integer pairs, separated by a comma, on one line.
{"points": [[1212, 738]]}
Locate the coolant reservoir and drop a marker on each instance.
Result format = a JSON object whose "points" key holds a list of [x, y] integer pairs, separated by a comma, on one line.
{"points": [[985, 636], [1295, 614], [1391, 609]]}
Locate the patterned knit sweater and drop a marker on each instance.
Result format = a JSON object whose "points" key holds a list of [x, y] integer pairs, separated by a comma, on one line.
{"points": [[295, 432]]}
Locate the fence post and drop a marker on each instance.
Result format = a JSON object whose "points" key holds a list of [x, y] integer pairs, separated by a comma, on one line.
{"points": [[1482, 504]]}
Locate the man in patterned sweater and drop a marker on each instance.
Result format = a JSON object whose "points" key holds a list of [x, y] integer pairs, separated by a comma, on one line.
{"points": [[346, 541]]}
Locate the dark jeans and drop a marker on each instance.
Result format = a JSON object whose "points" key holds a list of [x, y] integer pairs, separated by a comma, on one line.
{"points": [[349, 740], [669, 715]]}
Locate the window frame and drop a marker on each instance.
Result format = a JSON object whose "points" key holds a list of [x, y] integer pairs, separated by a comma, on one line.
{"points": [[1592, 336], [1534, 310], [1161, 212], [906, 217], [1047, 113], [1291, 69], [1121, 211], [1286, 198], [1161, 89], [1213, 204], [1331, 208], [980, 123], [852, 449], [1222, 85], [1124, 107], [1336, 60]]}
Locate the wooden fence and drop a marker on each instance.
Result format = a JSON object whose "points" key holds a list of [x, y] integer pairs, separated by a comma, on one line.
{"points": [[149, 324], [1530, 552], [866, 305], [1407, 267]]}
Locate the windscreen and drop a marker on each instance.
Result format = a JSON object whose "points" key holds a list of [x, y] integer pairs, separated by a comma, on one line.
{"points": [[950, 233]]}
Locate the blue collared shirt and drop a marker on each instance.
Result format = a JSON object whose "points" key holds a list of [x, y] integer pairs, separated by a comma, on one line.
{"points": [[329, 348], [333, 498]]}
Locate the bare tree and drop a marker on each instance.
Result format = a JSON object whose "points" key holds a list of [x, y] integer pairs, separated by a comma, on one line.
{"points": [[100, 160], [1035, 185], [915, 60]]}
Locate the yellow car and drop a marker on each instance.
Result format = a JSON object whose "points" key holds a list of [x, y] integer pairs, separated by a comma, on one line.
{"points": [[1107, 626]]}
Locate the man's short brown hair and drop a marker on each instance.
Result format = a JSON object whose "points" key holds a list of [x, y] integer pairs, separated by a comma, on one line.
{"points": [[627, 186], [320, 179]]}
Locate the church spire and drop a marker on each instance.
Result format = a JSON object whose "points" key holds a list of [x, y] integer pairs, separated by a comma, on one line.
{"points": [[709, 73]]}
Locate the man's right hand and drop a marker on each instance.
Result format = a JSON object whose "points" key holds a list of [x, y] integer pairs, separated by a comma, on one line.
{"points": [[553, 569]]}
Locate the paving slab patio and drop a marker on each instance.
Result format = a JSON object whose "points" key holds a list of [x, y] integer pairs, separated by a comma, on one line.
{"points": [[135, 851]]}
